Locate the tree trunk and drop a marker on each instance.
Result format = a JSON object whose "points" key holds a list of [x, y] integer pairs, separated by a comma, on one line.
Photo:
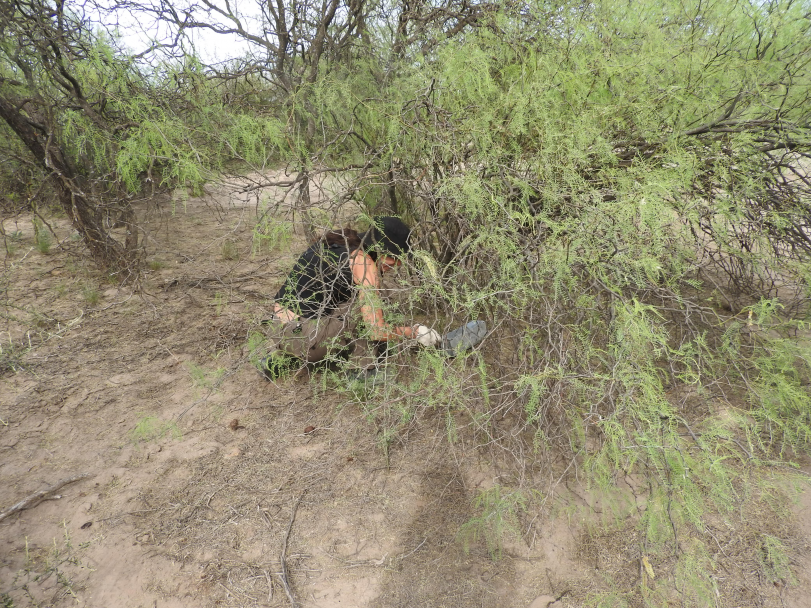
{"points": [[38, 137]]}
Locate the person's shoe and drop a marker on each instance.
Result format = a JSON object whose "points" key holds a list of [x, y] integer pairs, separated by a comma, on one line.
{"points": [[464, 338], [277, 365]]}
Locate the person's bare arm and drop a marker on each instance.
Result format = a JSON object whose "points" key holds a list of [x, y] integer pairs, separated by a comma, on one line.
{"points": [[283, 313], [366, 276]]}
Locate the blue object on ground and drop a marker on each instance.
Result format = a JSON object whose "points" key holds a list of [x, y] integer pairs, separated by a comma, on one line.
{"points": [[466, 337]]}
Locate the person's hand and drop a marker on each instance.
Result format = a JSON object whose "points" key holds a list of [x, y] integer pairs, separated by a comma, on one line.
{"points": [[426, 336]]}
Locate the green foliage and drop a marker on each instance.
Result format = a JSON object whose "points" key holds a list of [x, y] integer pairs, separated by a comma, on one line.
{"points": [[693, 576], [203, 378], [619, 189], [152, 428], [11, 355], [496, 519], [271, 234], [257, 140], [775, 560], [42, 237], [90, 293], [277, 365], [220, 302], [229, 250], [256, 347], [585, 195], [609, 599], [48, 574], [781, 412]]}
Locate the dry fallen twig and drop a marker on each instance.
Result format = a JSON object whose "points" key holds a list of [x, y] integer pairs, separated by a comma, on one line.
{"points": [[283, 576], [37, 497]]}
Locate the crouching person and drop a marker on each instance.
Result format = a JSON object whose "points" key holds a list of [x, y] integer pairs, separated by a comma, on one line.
{"points": [[331, 291]]}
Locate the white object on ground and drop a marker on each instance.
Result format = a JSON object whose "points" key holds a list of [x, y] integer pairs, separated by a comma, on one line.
{"points": [[427, 336]]}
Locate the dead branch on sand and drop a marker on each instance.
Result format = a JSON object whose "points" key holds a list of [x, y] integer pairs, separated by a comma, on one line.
{"points": [[37, 497], [284, 575]]}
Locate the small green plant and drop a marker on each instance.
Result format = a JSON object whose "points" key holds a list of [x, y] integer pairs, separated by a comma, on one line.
{"points": [[12, 241], [691, 576], [775, 559], [42, 237], [11, 358], [229, 250], [202, 378], [273, 364], [277, 365], [256, 346], [180, 195], [47, 575], [151, 428], [220, 302], [91, 295], [271, 233], [497, 518], [156, 265]]}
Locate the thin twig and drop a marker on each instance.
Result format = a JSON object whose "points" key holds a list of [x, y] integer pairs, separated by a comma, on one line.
{"points": [[284, 574], [738, 443], [689, 430], [37, 497], [414, 550], [270, 585]]}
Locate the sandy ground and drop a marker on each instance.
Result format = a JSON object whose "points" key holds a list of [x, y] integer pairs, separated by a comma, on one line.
{"points": [[201, 477]]}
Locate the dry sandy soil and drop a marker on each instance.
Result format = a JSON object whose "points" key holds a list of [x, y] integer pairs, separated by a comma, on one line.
{"points": [[201, 478]]}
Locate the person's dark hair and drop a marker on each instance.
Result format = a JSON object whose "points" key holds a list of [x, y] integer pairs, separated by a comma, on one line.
{"points": [[347, 238], [387, 234]]}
